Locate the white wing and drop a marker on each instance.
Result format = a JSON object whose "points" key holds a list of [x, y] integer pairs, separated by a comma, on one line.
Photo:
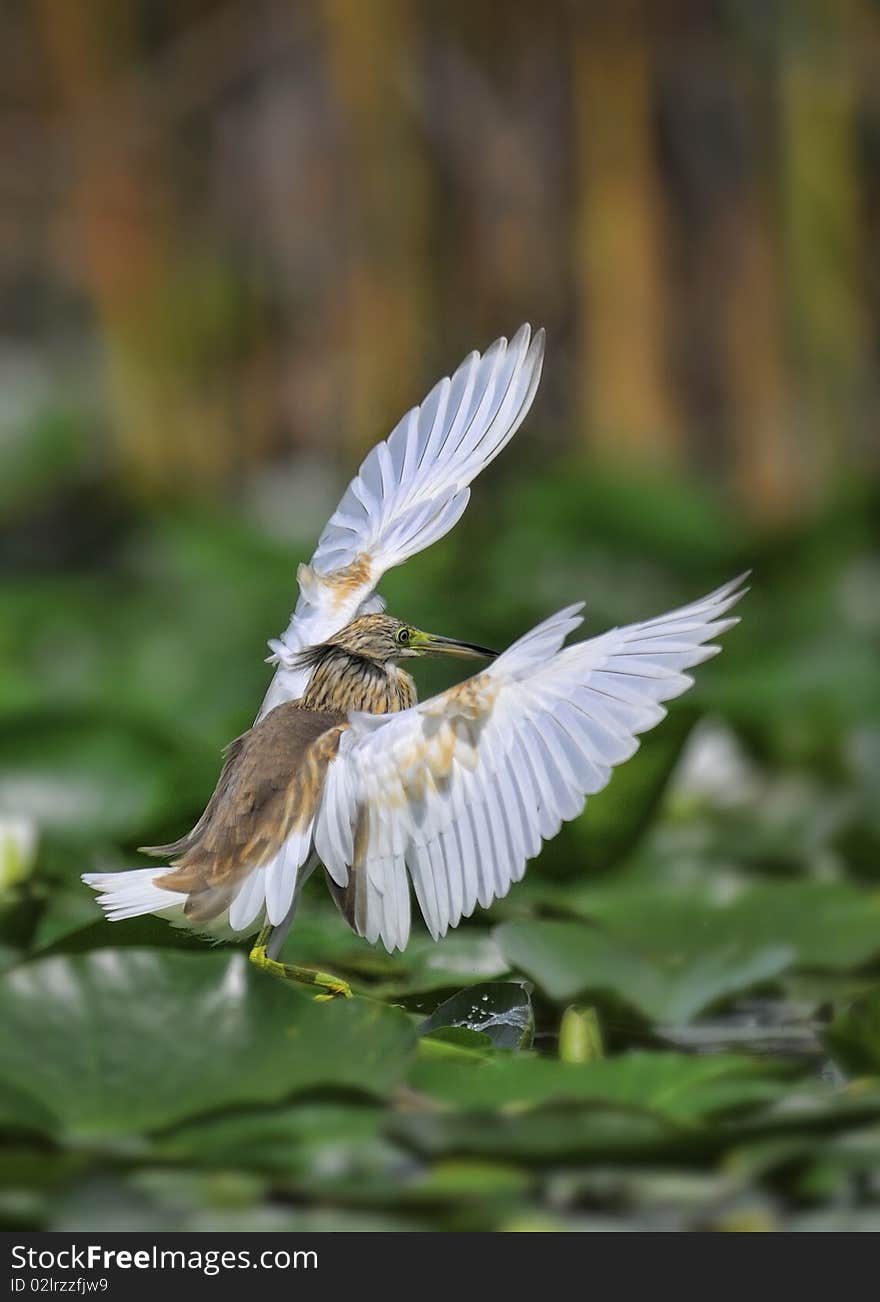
{"points": [[409, 492], [460, 791]]}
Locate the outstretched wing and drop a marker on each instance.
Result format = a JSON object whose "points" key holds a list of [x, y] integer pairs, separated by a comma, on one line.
{"points": [[410, 491], [460, 791]]}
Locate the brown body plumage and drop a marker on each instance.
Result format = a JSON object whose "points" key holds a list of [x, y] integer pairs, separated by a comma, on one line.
{"points": [[269, 786], [271, 783]]}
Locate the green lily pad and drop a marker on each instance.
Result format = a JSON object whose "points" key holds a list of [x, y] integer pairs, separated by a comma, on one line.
{"points": [[674, 1086], [20, 1110], [831, 925], [557, 1133], [499, 1010], [309, 1147], [456, 1179], [453, 1042], [854, 1036], [159, 1201], [286, 1139], [127, 1040], [569, 959]]}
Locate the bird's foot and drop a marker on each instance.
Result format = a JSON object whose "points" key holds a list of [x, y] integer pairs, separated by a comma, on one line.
{"points": [[336, 988], [332, 987]]}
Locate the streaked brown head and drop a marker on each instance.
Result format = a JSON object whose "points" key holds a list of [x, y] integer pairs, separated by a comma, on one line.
{"points": [[384, 639]]}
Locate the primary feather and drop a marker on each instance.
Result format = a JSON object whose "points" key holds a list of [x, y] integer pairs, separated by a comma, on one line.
{"points": [[460, 791], [410, 491]]}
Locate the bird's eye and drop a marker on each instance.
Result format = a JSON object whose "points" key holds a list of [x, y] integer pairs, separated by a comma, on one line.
{"points": [[403, 635]]}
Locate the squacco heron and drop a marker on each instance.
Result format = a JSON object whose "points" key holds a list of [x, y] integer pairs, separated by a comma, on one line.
{"points": [[345, 769]]}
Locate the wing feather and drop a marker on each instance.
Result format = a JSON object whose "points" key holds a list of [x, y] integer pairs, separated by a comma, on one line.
{"points": [[410, 491], [249, 902], [461, 791]]}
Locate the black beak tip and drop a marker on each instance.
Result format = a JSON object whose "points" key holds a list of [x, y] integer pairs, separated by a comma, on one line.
{"points": [[452, 646]]}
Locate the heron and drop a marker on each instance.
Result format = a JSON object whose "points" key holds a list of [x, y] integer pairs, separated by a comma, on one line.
{"points": [[346, 770]]}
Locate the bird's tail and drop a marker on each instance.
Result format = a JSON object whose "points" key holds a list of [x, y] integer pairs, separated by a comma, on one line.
{"points": [[130, 894]]}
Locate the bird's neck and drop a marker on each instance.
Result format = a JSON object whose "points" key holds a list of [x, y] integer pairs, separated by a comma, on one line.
{"points": [[341, 681]]}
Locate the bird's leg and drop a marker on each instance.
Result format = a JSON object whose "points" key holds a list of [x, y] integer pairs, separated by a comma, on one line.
{"points": [[331, 986]]}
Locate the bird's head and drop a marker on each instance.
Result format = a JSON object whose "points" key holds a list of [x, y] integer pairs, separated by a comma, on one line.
{"points": [[384, 638]]}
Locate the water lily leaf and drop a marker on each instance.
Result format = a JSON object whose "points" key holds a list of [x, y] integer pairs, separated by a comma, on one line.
{"points": [[854, 1036], [456, 1179], [20, 1110], [309, 1147], [129, 1040], [160, 1201], [453, 1042], [500, 1010], [554, 1132], [282, 1139], [675, 1086], [568, 959], [831, 925]]}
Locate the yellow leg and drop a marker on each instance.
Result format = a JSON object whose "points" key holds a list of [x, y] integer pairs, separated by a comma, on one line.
{"points": [[332, 986]]}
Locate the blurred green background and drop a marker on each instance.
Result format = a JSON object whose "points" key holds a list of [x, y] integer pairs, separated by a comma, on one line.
{"points": [[237, 241]]}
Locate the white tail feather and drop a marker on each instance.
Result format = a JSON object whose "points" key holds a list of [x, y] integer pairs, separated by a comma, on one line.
{"points": [[130, 894]]}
